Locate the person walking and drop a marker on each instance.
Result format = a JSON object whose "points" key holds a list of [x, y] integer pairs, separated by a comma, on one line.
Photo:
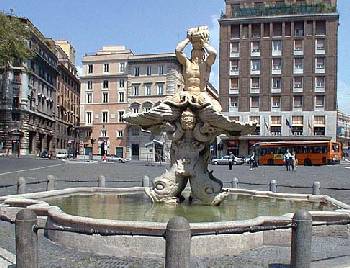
{"points": [[230, 161], [293, 161], [286, 158], [252, 161]]}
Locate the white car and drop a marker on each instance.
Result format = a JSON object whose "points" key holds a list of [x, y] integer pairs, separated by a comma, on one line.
{"points": [[225, 160], [117, 159], [61, 154]]}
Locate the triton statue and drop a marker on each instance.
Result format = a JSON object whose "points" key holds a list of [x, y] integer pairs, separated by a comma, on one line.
{"points": [[192, 121]]}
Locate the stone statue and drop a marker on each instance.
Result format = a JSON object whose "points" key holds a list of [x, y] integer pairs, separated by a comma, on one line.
{"points": [[192, 121]]}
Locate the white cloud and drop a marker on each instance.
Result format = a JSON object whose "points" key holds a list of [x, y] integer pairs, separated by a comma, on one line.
{"points": [[214, 30], [344, 96]]}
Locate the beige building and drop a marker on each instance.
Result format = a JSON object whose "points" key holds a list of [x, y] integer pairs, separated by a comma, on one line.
{"points": [[103, 101], [152, 78], [343, 131], [278, 68], [67, 100]]}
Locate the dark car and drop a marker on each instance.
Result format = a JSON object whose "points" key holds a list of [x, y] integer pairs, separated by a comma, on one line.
{"points": [[44, 154]]}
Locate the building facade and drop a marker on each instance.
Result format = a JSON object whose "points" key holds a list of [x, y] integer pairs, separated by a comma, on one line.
{"points": [[152, 78], [343, 131], [103, 101], [278, 68], [27, 101], [67, 100]]}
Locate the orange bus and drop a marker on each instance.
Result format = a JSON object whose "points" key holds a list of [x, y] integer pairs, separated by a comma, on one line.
{"points": [[308, 153]]}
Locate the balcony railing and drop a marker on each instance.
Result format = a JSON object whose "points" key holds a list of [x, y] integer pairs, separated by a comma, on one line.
{"points": [[283, 9]]}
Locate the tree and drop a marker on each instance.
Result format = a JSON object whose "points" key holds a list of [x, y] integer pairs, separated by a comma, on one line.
{"points": [[14, 36]]}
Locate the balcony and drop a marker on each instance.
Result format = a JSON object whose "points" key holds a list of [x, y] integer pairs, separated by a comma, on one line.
{"points": [[276, 70], [320, 89], [233, 91], [320, 69], [255, 90], [276, 53], [282, 9], [298, 52], [275, 90], [297, 88], [234, 71]]}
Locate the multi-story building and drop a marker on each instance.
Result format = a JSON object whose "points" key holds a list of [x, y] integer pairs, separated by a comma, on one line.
{"points": [[67, 100], [103, 101], [27, 99], [343, 130], [278, 68], [152, 78]]}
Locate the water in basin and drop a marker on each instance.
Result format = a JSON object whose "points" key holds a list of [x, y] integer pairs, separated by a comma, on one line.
{"points": [[138, 207]]}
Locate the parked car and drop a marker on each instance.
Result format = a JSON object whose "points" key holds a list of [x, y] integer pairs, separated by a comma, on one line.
{"points": [[61, 154], [114, 158], [44, 154], [225, 160]]}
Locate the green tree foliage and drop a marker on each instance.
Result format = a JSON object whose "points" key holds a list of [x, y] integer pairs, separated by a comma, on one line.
{"points": [[14, 36]]}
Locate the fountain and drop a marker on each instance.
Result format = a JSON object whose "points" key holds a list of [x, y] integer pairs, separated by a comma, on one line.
{"points": [[192, 120]]}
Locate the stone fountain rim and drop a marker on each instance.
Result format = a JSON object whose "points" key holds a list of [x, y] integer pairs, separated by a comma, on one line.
{"points": [[56, 215]]}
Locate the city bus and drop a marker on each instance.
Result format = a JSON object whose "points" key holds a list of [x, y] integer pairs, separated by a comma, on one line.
{"points": [[307, 153]]}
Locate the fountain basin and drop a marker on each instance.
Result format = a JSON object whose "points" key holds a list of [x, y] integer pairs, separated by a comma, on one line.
{"points": [[109, 209]]}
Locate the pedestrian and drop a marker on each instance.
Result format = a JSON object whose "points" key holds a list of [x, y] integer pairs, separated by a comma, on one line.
{"points": [[230, 161], [252, 162], [292, 161], [286, 159]]}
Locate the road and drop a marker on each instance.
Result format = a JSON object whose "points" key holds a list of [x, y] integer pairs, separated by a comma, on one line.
{"points": [[38, 169]]}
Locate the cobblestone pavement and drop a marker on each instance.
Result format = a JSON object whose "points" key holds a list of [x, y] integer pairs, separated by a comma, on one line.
{"points": [[327, 252]]}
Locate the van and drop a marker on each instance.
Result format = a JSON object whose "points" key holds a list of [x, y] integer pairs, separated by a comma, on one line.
{"points": [[61, 153]]}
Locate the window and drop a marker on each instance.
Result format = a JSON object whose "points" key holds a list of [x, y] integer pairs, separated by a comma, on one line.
{"points": [[277, 29], [149, 70], [319, 120], [235, 31], [105, 97], [254, 102], [160, 89], [122, 67], [234, 66], [90, 68], [235, 118], [297, 120], [254, 119], [319, 101], [276, 125], [120, 133], [121, 96], [161, 69], [255, 47], [276, 120], [320, 27], [298, 46], [88, 97], [105, 84], [135, 108], [104, 117], [256, 30], [104, 133], [234, 83], [298, 101], [88, 118], [255, 82], [276, 82], [298, 82], [106, 68], [120, 116], [320, 82], [135, 90], [137, 71], [276, 48], [276, 102], [320, 44], [276, 64], [89, 85], [298, 65], [320, 63], [148, 91], [299, 28], [234, 47], [297, 125], [121, 83], [266, 29], [255, 65], [234, 102]]}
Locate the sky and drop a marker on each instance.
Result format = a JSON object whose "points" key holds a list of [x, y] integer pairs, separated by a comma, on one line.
{"points": [[148, 26]]}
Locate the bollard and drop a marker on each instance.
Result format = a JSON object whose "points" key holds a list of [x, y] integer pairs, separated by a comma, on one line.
{"points": [[301, 240], [178, 243], [234, 183], [316, 188], [51, 183], [21, 185], [101, 181], [145, 181], [273, 186], [26, 239]]}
